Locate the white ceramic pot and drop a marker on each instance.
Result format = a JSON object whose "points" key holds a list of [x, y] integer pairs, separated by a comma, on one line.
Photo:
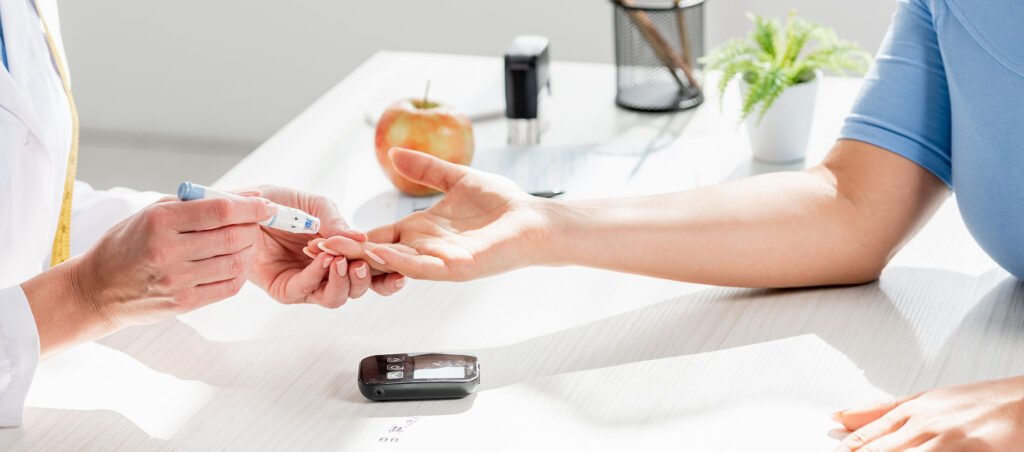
{"points": [[782, 135]]}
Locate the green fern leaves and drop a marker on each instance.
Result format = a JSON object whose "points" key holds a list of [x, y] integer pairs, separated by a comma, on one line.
{"points": [[774, 57]]}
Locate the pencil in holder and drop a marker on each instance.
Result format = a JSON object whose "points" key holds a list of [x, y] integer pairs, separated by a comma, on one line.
{"points": [[657, 48]]}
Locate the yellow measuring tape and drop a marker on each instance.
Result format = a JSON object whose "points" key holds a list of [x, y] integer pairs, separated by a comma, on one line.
{"points": [[62, 240]]}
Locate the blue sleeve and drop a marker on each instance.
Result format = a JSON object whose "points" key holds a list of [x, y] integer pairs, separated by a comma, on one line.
{"points": [[904, 104]]}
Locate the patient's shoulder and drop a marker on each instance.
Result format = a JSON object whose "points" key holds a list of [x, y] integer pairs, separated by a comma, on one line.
{"points": [[995, 24]]}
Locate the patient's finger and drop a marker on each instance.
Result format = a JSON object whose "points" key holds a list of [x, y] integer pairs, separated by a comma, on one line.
{"points": [[427, 169], [856, 418], [343, 246], [414, 265], [402, 248], [383, 234]]}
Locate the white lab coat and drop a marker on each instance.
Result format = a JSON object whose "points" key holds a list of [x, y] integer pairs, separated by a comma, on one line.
{"points": [[35, 136]]}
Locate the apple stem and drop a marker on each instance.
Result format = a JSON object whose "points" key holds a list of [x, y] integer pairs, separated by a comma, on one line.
{"points": [[425, 93]]}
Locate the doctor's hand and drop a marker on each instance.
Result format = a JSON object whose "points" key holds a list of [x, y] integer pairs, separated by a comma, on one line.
{"points": [[286, 272], [169, 258], [484, 225], [987, 416]]}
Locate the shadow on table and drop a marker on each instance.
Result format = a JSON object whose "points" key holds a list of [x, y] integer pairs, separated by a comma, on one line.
{"points": [[841, 316], [278, 370], [899, 314], [85, 426], [276, 377]]}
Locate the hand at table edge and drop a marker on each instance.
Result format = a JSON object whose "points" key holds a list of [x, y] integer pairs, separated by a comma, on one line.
{"points": [[988, 415]]}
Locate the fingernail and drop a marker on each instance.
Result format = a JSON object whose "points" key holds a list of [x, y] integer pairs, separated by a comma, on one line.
{"points": [[326, 249], [361, 270], [327, 262], [400, 282], [836, 415], [342, 266], [375, 257], [271, 207], [309, 253]]}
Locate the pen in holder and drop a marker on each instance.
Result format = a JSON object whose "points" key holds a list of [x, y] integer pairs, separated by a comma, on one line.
{"points": [[657, 46]]}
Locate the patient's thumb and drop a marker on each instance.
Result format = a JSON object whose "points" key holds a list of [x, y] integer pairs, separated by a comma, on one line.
{"points": [[426, 169]]}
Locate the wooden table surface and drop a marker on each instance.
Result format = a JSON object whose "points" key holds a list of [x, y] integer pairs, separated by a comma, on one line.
{"points": [[571, 357]]}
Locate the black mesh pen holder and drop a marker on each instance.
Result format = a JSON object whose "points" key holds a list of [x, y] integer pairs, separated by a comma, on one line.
{"points": [[657, 46]]}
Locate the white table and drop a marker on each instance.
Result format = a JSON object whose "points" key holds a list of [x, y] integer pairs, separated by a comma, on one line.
{"points": [[571, 357]]}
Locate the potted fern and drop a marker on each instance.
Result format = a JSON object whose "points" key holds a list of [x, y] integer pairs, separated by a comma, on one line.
{"points": [[779, 66]]}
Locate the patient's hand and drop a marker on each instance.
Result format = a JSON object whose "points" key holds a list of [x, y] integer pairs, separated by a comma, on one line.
{"points": [[484, 225]]}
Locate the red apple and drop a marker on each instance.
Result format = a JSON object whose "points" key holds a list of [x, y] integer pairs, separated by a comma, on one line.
{"points": [[424, 126]]}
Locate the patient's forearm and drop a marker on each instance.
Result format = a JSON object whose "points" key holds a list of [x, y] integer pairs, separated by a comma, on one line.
{"points": [[778, 230], [835, 224]]}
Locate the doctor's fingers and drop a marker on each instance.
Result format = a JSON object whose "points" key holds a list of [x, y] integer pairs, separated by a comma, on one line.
{"points": [[331, 222], [220, 268], [302, 284], [203, 214], [359, 278], [205, 294], [334, 293], [219, 242], [388, 284]]}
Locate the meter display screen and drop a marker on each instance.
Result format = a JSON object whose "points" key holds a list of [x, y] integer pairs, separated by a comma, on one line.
{"points": [[438, 366]]}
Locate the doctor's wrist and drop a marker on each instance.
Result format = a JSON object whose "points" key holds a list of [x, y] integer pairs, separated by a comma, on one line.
{"points": [[64, 312]]}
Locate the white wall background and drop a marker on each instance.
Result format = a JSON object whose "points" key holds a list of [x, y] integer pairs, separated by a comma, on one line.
{"points": [[196, 75]]}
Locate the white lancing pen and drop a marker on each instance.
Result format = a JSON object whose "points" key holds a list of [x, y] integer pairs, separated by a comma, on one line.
{"points": [[286, 219]]}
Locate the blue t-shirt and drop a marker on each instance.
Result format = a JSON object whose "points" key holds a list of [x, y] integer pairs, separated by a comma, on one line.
{"points": [[947, 92]]}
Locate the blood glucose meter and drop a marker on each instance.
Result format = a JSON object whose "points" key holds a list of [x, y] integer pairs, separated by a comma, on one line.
{"points": [[418, 376]]}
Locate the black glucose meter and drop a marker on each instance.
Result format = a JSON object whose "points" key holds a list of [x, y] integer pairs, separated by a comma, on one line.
{"points": [[418, 376]]}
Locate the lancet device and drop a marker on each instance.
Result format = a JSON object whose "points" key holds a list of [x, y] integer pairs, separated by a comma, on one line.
{"points": [[286, 219]]}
